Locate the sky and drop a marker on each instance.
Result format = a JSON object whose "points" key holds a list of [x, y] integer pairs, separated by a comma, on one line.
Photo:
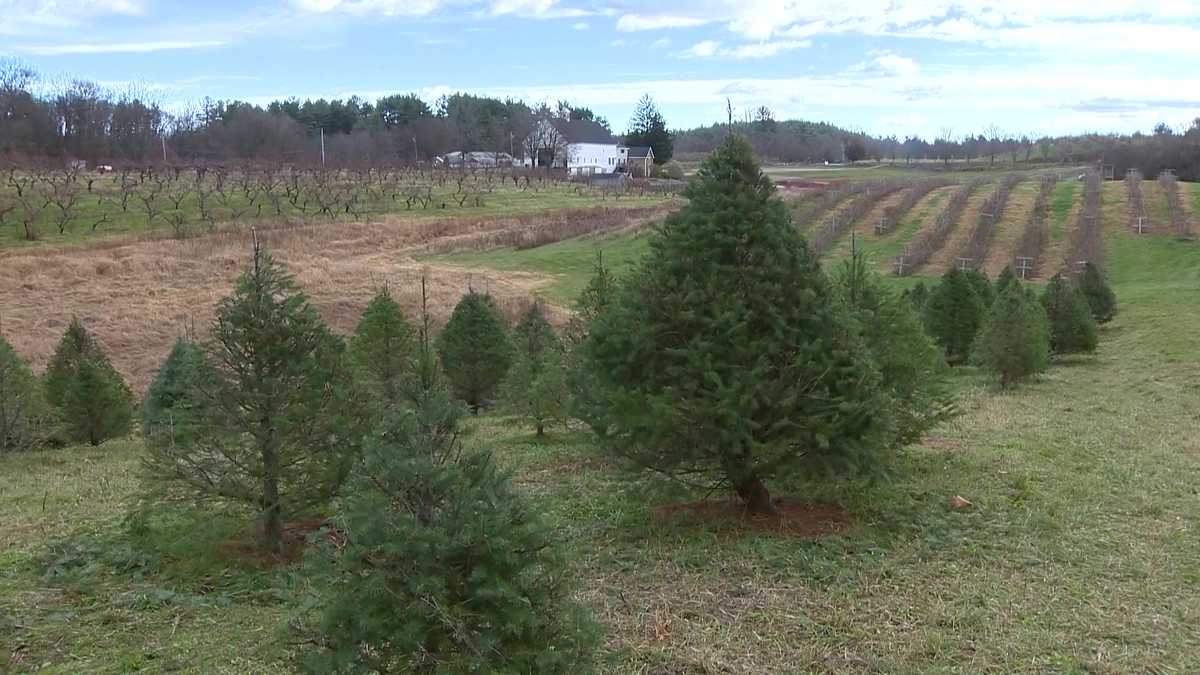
{"points": [[882, 66]]}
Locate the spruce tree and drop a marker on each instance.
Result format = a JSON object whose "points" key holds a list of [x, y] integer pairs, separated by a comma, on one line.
{"points": [[97, 405], [94, 402], [918, 296], [381, 347], [475, 349], [23, 411], [534, 336], [1014, 343], [588, 401], [173, 388], [444, 568], [983, 287], [649, 128], [724, 357], [953, 315], [274, 425], [1100, 297], [1004, 280], [912, 367], [1072, 328], [536, 385]]}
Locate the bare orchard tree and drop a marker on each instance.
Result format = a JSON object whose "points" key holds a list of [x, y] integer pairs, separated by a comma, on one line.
{"points": [[992, 134], [545, 143]]}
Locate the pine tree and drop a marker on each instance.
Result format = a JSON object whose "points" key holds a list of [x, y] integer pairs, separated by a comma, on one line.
{"points": [[649, 128], [1100, 297], [444, 567], [1015, 341], [724, 358], [983, 287], [1006, 279], [919, 297], [475, 349], [536, 385], [173, 387], [381, 347], [953, 315], [274, 425], [1072, 328], [588, 400], [95, 403], [23, 411], [534, 336], [911, 365]]}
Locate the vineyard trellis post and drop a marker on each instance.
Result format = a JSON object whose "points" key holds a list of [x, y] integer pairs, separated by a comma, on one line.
{"points": [[1024, 266]]}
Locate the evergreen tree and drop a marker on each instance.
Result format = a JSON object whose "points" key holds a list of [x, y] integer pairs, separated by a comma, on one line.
{"points": [[536, 384], [23, 413], [274, 425], [381, 347], [97, 405], [1006, 279], [649, 128], [724, 357], [1015, 341], [919, 297], [475, 349], [1072, 328], [1100, 297], [173, 387], [911, 364], [79, 372], [953, 315], [983, 287], [588, 400], [444, 567]]}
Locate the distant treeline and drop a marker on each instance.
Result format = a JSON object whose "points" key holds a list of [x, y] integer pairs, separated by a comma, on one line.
{"points": [[82, 120]]}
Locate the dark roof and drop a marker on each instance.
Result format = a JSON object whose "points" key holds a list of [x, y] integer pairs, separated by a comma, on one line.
{"points": [[640, 152], [583, 131]]}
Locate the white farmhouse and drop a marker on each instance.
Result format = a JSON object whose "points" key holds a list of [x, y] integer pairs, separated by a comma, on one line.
{"points": [[579, 146]]}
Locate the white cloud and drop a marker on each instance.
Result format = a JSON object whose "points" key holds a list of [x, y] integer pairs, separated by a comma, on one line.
{"points": [[661, 43], [752, 50], [23, 17], [114, 47], [542, 9], [889, 64], [702, 49], [640, 22], [581, 25]]}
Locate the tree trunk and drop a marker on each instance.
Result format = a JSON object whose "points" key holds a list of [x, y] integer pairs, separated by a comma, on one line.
{"points": [[272, 538], [541, 430], [756, 497]]}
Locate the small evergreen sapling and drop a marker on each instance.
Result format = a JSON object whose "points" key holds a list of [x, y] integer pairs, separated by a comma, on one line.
{"points": [[912, 368], [273, 425], [173, 390], [536, 385], [1072, 328], [953, 315], [1015, 341], [724, 359], [443, 566], [1100, 297], [983, 287], [475, 349], [23, 410], [1004, 280], [381, 347], [588, 399], [94, 402]]}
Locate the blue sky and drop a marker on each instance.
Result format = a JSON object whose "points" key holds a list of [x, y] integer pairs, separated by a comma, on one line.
{"points": [[883, 66]]}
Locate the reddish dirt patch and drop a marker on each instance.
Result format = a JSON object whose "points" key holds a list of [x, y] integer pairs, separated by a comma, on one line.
{"points": [[245, 547], [793, 518]]}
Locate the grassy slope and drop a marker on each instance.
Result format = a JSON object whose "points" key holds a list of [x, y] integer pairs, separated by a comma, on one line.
{"points": [[1081, 554]]}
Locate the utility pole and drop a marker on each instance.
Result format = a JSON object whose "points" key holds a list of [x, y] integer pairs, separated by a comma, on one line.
{"points": [[322, 146], [164, 147], [415, 160]]}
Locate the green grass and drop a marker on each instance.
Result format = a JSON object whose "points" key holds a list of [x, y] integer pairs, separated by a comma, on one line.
{"points": [[569, 263], [1081, 553], [1062, 200], [956, 171]]}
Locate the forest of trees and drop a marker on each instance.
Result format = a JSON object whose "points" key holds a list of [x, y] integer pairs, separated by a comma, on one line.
{"points": [[82, 120]]}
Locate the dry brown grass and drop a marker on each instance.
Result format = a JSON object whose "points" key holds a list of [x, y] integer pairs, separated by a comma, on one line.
{"points": [[1008, 231], [137, 295], [944, 258]]}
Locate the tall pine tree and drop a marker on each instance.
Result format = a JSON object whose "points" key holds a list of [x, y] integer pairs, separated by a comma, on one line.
{"points": [[1014, 343], [381, 347], [1072, 328], [649, 128], [475, 349], [588, 400], [724, 357], [536, 384], [273, 425], [953, 315]]}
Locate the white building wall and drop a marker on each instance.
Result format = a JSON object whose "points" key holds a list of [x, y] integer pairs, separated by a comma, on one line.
{"points": [[594, 157]]}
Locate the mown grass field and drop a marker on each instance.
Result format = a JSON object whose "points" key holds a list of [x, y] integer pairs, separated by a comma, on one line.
{"points": [[1081, 553]]}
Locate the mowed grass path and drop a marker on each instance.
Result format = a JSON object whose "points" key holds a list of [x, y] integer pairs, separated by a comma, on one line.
{"points": [[1081, 553]]}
